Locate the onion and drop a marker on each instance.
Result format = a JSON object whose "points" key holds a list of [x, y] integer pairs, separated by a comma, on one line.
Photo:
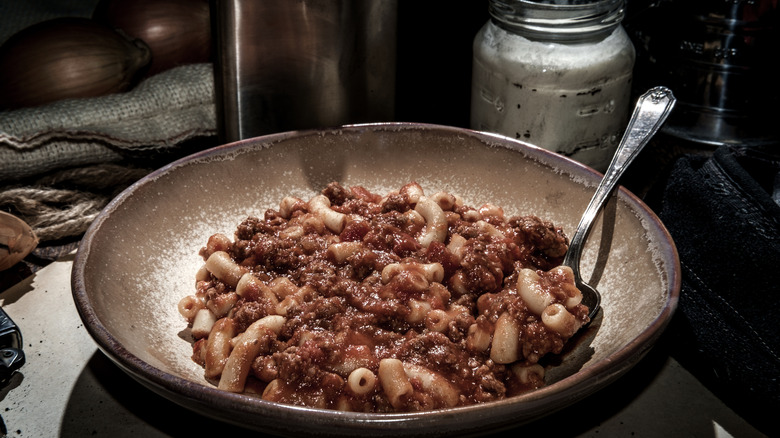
{"points": [[177, 31], [17, 240], [67, 58]]}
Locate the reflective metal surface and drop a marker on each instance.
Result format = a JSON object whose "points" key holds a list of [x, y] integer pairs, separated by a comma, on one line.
{"points": [[650, 112], [719, 59], [288, 65]]}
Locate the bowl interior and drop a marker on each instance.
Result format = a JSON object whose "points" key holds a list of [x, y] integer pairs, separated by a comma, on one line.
{"points": [[140, 256]]}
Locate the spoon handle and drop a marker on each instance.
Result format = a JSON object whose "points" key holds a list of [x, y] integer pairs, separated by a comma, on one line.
{"points": [[650, 112]]}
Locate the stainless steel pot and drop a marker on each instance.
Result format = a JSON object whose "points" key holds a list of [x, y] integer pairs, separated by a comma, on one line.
{"points": [[285, 65], [718, 58]]}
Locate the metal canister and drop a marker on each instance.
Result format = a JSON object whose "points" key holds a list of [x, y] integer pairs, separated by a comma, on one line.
{"points": [[718, 57], [286, 65]]}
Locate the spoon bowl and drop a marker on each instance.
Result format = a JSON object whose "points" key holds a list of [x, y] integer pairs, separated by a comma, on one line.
{"points": [[650, 112]]}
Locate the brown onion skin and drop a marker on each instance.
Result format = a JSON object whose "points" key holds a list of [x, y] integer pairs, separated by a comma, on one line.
{"points": [[17, 239], [68, 58], [177, 31]]}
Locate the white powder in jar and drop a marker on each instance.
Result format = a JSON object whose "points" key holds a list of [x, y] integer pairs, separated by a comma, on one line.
{"points": [[571, 98]]}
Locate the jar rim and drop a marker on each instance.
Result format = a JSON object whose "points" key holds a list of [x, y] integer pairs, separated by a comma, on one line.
{"points": [[557, 19]]}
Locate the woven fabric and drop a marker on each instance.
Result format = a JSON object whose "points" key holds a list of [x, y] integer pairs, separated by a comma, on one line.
{"points": [[159, 114], [723, 217]]}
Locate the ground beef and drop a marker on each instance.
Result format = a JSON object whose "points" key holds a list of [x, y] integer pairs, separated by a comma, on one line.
{"points": [[388, 297]]}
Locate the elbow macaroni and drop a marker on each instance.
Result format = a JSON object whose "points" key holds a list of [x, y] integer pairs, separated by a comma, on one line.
{"points": [[395, 383], [435, 221], [529, 288], [376, 304], [361, 381], [224, 268], [334, 220]]}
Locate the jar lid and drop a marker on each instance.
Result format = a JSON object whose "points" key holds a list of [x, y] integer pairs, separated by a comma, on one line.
{"points": [[558, 20]]}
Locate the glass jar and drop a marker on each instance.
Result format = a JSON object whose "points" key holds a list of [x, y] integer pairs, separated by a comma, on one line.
{"points": [[556, 74]]}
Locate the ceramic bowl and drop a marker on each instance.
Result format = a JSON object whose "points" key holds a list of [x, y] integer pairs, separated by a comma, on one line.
{"points": [[140, 256]]}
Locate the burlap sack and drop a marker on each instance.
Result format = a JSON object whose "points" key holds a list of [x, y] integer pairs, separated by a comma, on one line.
{"points": [[61, 163], [160, 113]]}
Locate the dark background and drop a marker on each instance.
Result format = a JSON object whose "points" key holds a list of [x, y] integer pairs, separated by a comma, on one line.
{"points": [[434, 60]]}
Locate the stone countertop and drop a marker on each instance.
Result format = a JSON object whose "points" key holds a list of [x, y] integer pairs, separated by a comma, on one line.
{"points": [[69, 388]]}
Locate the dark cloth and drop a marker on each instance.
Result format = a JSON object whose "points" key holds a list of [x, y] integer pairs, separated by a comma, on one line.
{"points": [[723, 215]]}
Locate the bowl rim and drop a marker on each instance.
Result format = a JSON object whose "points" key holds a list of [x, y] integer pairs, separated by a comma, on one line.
{"points": [[610, 368]]}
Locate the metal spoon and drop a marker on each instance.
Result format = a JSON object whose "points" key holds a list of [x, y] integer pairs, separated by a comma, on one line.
{"points": [[650, 112]]}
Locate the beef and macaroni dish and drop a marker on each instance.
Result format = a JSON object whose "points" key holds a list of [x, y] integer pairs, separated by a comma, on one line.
{"points": [[403, 302]]}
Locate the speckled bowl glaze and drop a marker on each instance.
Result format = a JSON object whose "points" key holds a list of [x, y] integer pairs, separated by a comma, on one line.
{"points": [[140, 256]]}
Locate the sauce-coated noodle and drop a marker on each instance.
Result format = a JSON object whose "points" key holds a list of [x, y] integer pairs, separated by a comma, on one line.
{"points": [[402, 302]]}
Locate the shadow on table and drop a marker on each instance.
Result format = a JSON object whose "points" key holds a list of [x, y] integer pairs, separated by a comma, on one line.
{"points": [[125, 408], [105, 401]]}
